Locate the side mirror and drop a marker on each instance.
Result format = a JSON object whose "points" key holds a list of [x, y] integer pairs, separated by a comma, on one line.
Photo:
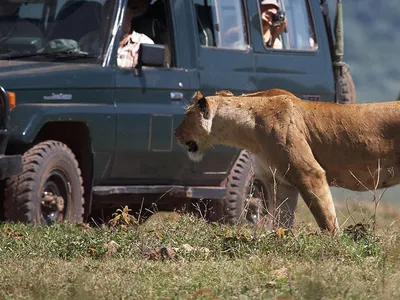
{"points": [[151, 55]]}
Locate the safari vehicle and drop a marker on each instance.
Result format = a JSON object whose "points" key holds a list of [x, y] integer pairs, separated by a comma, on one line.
{"points": [[77, 130]]}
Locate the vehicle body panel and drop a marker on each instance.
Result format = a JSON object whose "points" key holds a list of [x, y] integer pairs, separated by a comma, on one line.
{"points": [[132, 118], [41, 101]]}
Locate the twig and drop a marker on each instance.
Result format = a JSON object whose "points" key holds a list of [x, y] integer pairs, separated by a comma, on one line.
{"points": [[350, 214], [355, 177]]}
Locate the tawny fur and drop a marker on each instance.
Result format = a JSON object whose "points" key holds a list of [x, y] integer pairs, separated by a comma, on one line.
{"points": [[311, 145]]}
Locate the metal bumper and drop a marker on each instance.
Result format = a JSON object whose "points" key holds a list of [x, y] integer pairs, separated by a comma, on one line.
{"points": [[10, 165]]}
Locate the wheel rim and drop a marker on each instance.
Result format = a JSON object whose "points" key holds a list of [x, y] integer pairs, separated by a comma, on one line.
{"points": [[256, 202], [55, 198]]}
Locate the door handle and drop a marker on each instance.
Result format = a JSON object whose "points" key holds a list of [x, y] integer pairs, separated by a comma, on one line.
{"points": [[176, 96]]}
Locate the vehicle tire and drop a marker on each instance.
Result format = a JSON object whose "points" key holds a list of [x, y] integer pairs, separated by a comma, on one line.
{"points": [[246, 197], [48, 190]]}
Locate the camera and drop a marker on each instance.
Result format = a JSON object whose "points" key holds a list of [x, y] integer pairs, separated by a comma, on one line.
{"points": [[279, 17]]}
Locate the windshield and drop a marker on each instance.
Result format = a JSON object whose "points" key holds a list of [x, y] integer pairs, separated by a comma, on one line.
{"points": [[40, 28]]}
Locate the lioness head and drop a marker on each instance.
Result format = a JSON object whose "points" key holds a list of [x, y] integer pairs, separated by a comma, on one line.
{"points": [[194, 131]]}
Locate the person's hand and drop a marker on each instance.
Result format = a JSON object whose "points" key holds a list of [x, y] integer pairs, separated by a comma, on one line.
{"points": [[277, 29], [125, 40]]}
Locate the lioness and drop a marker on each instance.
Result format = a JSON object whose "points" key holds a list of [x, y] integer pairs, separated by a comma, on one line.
{"points": [[311, 145]]}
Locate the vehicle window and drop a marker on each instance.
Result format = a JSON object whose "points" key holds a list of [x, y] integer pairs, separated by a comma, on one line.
{"points": [[31, 10], [145, 22], [296, 32], [60, 4], [221, 24], [64, 28]]}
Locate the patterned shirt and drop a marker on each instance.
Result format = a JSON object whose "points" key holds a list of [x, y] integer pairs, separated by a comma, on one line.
{"points": [[128, 52]]}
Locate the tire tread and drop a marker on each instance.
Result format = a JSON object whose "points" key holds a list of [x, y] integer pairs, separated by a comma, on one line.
{"points": [[19, 190]]}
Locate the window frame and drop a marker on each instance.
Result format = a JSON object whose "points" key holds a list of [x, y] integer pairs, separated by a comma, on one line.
{"points": [[292, 50], [245, 23], [119, 17]]}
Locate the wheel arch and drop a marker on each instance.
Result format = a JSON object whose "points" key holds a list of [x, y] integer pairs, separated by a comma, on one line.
{"points": [[76, 135]]}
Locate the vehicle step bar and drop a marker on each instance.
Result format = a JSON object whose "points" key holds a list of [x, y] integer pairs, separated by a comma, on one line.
{"points": [[197, 192]]}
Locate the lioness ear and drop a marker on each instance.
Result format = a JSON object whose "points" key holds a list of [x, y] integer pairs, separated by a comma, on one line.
{"points": [[204, 108], [197, 96], [202, 104]]}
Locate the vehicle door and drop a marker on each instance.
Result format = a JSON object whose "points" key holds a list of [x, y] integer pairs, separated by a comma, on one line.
{"points": [[225, 59], [303, 65], [149, 107], [225, 62]]}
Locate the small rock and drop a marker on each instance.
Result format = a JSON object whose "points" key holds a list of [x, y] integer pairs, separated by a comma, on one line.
{"points": [[167, 252], [160, 253], [187, 247], [112, 247], [154, 254], [204, 249]]}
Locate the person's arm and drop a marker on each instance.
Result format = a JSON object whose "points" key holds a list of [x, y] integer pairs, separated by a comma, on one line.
{"points": [[276, 30]]}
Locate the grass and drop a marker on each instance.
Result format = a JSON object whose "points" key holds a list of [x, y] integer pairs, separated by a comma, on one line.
{"points": [[174, 256]]}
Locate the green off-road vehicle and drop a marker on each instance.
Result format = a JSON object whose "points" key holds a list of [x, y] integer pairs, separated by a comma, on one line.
{"points": [[78, 132]]}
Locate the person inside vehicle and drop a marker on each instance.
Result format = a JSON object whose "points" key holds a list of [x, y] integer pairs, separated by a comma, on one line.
{"points": [[271, 30], [128, 50]]}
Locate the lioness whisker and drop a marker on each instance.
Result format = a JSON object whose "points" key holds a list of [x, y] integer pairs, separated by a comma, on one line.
{"points": [[185, 103]]}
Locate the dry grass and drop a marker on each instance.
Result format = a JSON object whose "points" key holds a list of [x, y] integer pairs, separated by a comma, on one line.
{"points": [[186, 258]]}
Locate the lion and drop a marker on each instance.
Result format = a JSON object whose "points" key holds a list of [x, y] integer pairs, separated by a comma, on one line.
{"points": [[310, 145]]}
